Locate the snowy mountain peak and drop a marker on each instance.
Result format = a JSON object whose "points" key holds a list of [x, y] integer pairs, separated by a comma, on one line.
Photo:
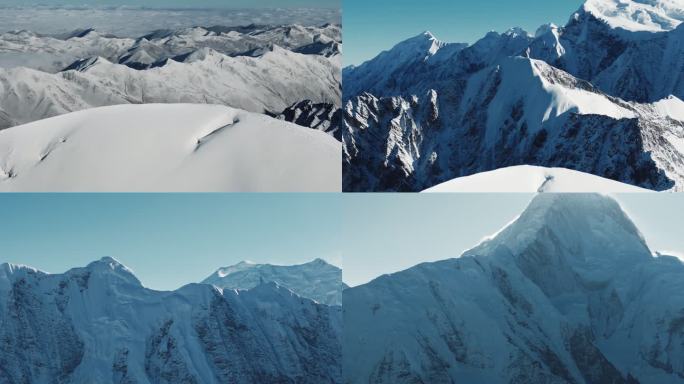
{"points": [[108, 266], [423, 44], [516, 31], [637, 15], [591, 231], [546, 28], [316, 280]]}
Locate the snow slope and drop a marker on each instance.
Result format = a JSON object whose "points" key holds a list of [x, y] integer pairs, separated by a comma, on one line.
{"points": [[98, 324], [316, 280], [527, 178], [167, 147], [567, 293]]}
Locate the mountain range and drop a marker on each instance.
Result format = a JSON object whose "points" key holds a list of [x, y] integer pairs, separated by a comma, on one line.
{"points": [[100, 324], [601, 95], [262, 69], [567, 293]]}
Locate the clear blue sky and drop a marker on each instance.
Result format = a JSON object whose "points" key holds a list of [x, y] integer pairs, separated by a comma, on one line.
{"points": [[181, 3], [388, 233], [374, 26], [168, 240]]}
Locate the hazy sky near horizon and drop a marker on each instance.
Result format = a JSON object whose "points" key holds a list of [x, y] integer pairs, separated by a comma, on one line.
{"points": [[371, 27], [388, 233], [180, 3], [135, 21], [168, 240]]}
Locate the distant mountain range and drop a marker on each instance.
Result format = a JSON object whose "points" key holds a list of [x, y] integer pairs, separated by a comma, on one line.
{"points": [[568, 293], [316, 280], [601, 95], [99, 324], [261, 69]]}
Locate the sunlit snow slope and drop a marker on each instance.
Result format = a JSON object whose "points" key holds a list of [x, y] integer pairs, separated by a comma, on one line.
{"points": [[170, 147], [528, 178]]}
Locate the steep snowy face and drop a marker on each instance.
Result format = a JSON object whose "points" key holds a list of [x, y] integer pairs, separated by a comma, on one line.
{"points": [[638, 15], [565, 294], [167, 147], [519, 111], [316, 280], [98, 324]]}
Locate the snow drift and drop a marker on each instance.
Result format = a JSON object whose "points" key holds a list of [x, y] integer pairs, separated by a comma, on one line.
{"points": [[170, 147]]}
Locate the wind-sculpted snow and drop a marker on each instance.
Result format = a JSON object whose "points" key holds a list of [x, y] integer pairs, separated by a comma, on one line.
{"points": [[99, 324], [167, 147], [259, 69], [567, 293], [638, 15], [518, 112], [316, 280]]}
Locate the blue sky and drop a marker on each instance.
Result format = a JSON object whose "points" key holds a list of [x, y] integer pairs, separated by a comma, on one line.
{"points": [[373, 26], [182, 3], [388, 233], [168, 240]]}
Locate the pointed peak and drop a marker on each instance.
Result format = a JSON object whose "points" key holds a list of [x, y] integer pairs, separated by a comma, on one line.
{"points": [[516, 32], [546, 28], [109, 266]]}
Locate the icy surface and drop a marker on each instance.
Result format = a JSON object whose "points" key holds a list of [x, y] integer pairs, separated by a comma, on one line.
{"points": [[167, 147], [316, 280], [567, 293], [527, 178]]}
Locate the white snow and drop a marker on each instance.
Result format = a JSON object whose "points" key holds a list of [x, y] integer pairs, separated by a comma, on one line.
{"points": [[671, 106], [167, 147], [527, 178], [638, 15]]}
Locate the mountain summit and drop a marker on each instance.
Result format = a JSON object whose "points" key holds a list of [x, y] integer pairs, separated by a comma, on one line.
{"points": [[638, 15], [567, 293]]}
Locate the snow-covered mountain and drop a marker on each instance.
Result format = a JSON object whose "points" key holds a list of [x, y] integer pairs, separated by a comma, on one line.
{"points": [[520, 111], [588, 96], [259, 69], [316, 280], [567, 293], [531, 179], [98, 324], [167, 147]]}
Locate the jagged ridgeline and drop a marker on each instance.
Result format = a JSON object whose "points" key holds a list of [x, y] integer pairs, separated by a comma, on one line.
{"points": [[98, 324], [601, 95], [567, 293], [277, 70]]}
